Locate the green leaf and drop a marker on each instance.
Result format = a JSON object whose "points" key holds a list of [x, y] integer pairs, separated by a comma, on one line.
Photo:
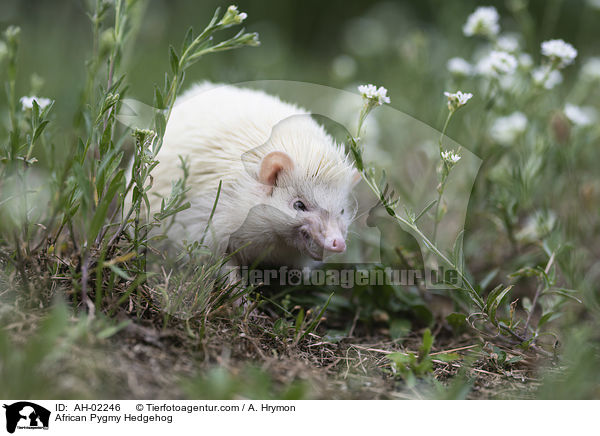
{"points": [[160, 123], [107, 167], [547, 317], [400, 359], [425, 210], [118, 271], [410, 215], [423, 367], [187, 41], [526, 344], [492, 297], [567, 293], [112, 330], [382, 180], [35, 112], [497, 301], [106, 138], [39, 130], [317, 319], [447, 357], [158, 98], [457, 251], [427, 344], [501, 355], [514, 359], [102, 209], [117, 83], [174, 60], [299, 321]]}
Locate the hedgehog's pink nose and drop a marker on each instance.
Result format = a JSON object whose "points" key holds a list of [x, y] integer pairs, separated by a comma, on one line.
{"points": [[335, 243]]}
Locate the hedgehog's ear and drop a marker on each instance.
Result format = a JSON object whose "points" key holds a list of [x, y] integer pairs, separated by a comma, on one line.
{"points": [[271, 167]]}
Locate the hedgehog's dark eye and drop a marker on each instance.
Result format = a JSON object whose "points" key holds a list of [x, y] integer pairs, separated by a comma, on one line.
{"points": [[298, 205], [342, 212]]}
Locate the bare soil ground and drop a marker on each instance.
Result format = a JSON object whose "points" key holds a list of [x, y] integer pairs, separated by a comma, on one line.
{"points": [[143, 361]]}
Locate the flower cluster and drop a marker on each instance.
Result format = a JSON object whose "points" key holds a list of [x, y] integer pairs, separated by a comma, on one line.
{"points": [[3, 50], [508, 43], [373, 94], [450, 157], [497, 63], [142, 134], [12, 33], [580, 116], [561, 53], [457, 99], [459, 67], [506, 130], [484, 22], [546, 77], [233, 16], [591, 69], [27, 102]]}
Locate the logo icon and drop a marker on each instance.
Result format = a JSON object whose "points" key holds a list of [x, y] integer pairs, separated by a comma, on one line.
{"points": [[26, 415]]}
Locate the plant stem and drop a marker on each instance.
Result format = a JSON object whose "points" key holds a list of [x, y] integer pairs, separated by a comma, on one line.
{"points": [[450, 113], [538, 291], [430, 245], [436, 220]]}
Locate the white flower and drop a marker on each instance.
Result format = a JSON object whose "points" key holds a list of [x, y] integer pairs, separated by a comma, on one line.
{"points": [[508, 43], [3, 50], [374, 95], [497, 63], [591, 68], [525, 61], [506, 130], [484, 21], [457, 99], [27, 102], [544, 76], [450, 157], [459, 67], [559, 51], [233, 16], [580, 116]]}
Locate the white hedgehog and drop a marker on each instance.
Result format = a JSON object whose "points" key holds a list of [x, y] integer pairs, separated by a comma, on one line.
{"points": [[286, 184]]}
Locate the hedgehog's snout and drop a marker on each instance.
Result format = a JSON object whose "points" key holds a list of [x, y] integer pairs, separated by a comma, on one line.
{"points": [[335, 243], [333, 235], [320, 239]]}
